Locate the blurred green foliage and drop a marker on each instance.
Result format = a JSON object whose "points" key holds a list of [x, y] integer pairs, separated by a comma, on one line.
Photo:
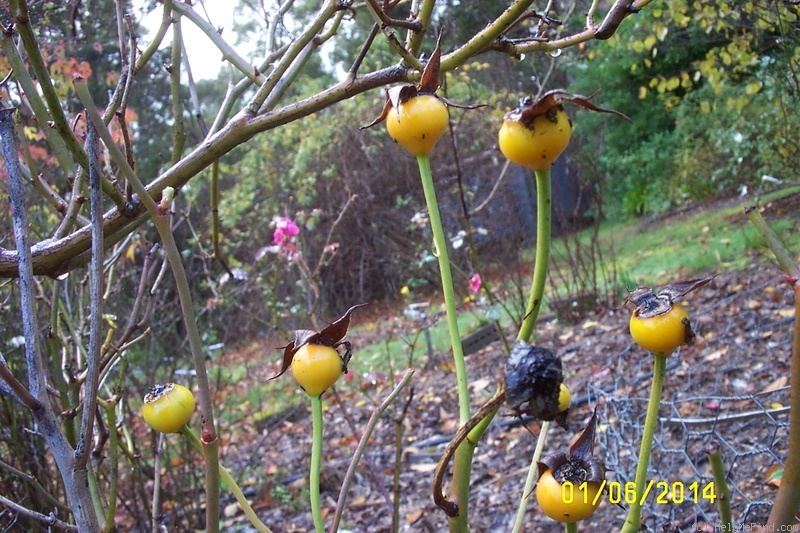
{"points": [[712, 91]]}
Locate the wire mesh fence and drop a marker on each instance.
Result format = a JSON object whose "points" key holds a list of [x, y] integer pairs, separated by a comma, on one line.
{"points": [[732, 393]]}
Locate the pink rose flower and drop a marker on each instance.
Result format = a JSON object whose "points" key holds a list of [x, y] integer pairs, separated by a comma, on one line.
{"points": [[475, 283], [285, 229]]}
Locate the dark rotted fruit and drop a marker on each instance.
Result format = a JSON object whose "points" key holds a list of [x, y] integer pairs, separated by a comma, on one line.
{"points": [[533, 382]]}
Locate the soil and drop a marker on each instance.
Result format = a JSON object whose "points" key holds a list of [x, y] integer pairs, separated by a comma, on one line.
{"points": [[729, 387]]}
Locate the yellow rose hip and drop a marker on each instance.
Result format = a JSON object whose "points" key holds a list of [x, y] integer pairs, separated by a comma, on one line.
{"points": [[418, 123], [168, 407], [316, 368]]}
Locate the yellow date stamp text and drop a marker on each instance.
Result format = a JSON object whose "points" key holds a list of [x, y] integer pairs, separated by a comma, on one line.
{"points": [[665, 492]]}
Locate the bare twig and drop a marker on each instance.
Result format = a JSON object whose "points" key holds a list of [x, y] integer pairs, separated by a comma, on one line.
{"points": [[489, 407], [326, 12], [75, 482], [614, 17], [50, 519], [227, 51], [178, 139], [95, 301], [387, 21], [193, 97], [373, 421], [215, 222], [10, 385], [36, 382], [166, 20], [474, 211]]}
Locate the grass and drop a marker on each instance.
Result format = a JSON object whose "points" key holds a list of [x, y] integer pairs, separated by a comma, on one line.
{"points": [[687, 245], [683, 246], [392, 353], [709, 240]]}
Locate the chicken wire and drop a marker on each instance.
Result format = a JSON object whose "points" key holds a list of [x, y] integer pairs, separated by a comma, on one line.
{"points": [[726, 394]]}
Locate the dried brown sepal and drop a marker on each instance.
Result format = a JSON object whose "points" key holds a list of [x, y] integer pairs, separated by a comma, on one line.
{"points": [[387, 106], [336, 330], [431, 75], [681, 288], [331, 335], [528, 110], [429, 84], [649, 303], [578, 464], [395, 96]]}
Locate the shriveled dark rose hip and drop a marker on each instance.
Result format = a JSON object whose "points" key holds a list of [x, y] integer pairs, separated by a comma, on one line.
{"points": [[533, 381]]}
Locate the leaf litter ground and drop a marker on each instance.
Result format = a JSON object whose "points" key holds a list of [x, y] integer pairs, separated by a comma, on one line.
{"points": [[729, 387]]}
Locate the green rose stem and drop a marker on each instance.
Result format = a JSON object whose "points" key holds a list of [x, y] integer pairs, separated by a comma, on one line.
{"points": [[440, 242], [634, 520], [723, 492], [157, 484], [543, 222], [229, 481], [532, 472], [316, 459], [787, 501], [571, 527], [110, 407], [462, 464]]}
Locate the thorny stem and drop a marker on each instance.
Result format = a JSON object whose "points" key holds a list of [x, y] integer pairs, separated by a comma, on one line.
{"points": [[166, 20], [215, 222], [414, 38], [36, 486], [634, 519], [59, 147], [316, 460], [174, 70], [75, 480], [484, 37], [210, 440], [36, 62], [532, 474], [36, 383], [52, 523], [721, 482], [228, 52], [362, 445], [230, 482], [328, 9], [60, 124], [543, 221]]}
